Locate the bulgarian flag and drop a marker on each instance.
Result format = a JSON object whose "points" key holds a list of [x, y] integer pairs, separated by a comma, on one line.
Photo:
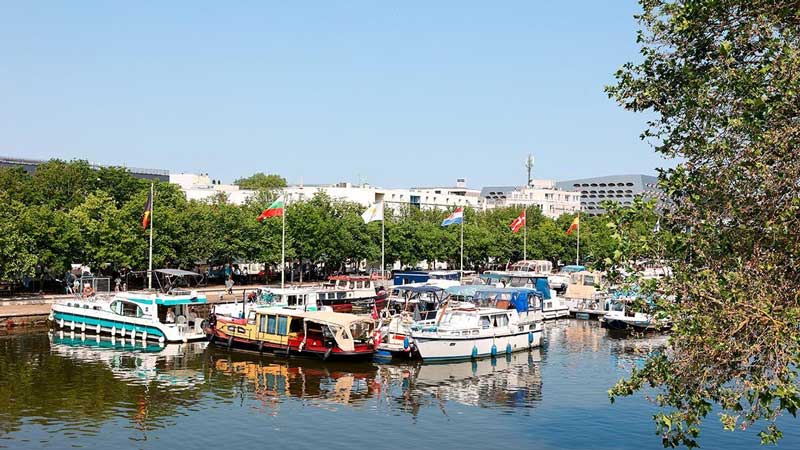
{"points": [[575, 224], [274, 210]]}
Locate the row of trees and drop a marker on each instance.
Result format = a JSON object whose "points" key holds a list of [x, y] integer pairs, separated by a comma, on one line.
{"points": [[68, 212]]}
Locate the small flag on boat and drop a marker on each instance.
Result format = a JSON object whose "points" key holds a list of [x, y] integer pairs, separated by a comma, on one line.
{"points": [[455, 217], [575, 224], [518, 223], [274, 210], [373, 213], [148, 211]]}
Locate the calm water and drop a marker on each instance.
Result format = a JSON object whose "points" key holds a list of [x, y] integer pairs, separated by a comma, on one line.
{"points": [[56, 392]]}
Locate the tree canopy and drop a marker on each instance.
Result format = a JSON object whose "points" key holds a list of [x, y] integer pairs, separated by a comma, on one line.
{"points": [[720, 80], [72, 213], [261, 181]]}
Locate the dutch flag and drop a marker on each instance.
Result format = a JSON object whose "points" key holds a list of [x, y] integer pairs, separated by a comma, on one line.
{"points": [[455, 217]]}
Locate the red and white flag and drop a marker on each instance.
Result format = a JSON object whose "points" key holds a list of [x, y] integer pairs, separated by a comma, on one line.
{"points": [[518, 223]]}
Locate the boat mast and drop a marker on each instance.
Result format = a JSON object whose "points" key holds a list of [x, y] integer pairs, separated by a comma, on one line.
{"points": [[578, 245], [283, 239], [525, 234], [461, 276], [150, 258], [383, 240]]}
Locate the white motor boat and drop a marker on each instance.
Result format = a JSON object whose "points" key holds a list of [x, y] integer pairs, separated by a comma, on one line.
{"points": [[621, 315], [406, 305], [553, 306], [499, 321], [164, 315], [293, 297]]}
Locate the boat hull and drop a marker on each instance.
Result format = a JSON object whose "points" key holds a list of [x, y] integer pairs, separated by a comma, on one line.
{"points": [[292, 347], [453, 348], [108, 324]]}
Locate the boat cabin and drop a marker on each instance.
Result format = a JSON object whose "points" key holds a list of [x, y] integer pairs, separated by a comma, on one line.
{"points": [[535, 266], [584, 284]]}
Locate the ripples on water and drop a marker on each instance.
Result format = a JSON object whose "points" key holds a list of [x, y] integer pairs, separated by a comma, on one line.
{"points": [[67, 391]]}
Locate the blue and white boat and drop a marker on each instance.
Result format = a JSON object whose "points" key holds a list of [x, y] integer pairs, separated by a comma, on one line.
{"points": [[169, 314], [498, 321]]}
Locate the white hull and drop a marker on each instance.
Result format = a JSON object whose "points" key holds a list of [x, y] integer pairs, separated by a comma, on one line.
{"points": [[555, 313], [432, 347], [83, 320]]}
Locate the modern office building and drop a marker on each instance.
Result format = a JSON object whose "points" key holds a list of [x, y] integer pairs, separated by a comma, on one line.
{"points": [[541, 194], [617, 188], [30, 166]]}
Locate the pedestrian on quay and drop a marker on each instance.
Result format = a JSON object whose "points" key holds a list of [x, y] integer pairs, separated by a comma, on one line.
{"points": [[229, 285]]}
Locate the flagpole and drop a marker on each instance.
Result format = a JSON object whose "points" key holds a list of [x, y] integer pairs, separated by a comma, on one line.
{"points": [[283, 239], [462, 247], [525, 235], [150, 258], [578, 246]]}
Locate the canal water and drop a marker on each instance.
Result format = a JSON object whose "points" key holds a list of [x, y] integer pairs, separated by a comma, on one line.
{"points": [[59, 391]]}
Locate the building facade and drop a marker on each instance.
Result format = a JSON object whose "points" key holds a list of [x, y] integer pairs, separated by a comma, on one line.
{"points": [[541, 194], [202, 187], [621, 189], [30, 166]]}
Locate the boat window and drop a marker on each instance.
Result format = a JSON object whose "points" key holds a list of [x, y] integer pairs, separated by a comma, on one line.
{"points": [[291, 300], [296, 326], [485, 323], [272, 322], [588, 280], [341, 295], [283, 323], [321, 296], [129, 309], [500, 320], [262, 324]]}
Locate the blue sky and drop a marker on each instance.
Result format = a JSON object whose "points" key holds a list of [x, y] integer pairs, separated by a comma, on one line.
{"points": [[416, 93]]}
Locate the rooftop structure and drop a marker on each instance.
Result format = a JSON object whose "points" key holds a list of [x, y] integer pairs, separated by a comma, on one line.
{"points": [[617, 188], [541, 194], [30, 166]]}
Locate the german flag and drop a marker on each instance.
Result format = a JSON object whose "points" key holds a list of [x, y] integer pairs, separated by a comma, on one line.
{"points": [[148, 211]]}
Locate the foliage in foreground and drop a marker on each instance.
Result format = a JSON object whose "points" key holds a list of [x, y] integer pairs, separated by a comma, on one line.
{"points": [[722, 80]]}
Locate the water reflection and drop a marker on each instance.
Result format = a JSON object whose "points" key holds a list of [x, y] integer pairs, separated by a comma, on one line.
{"points": [[85, 389], [135, 361], [511, 382]]}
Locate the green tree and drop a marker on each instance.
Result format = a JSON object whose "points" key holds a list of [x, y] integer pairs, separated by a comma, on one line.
{"points": [[261, 181], [721, 83], [17, 257]]}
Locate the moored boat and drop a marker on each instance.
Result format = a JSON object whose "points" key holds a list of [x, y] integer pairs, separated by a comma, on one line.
{"points": [[623, 315], [553, 306], [501, 320], [169, 314], [287, 331], [407, 304], [344, 293]]}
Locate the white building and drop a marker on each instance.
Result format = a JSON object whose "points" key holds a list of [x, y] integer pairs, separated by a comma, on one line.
{"points": [[202, 187], [542, 194], [365, 195]]}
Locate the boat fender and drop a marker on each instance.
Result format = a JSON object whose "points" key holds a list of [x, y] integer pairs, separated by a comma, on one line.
{"points": [[530, 337], [508, 348], [494, 350], [474, 351], [260, 346], [406, 344], [327, 353], [230, 342], [211, 338]]}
